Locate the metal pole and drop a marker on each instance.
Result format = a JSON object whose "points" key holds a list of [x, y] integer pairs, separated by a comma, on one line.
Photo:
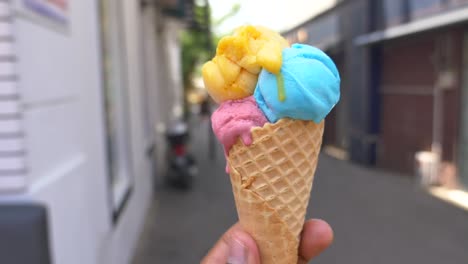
{"points": [[437, 126], [437, 114]]}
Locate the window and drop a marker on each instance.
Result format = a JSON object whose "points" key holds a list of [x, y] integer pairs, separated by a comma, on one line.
{"points": [[421, 8], [116, 104], [394, 12]]}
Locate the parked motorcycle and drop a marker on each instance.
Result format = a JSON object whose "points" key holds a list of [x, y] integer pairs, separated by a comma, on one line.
{"points": [[182, 167]]}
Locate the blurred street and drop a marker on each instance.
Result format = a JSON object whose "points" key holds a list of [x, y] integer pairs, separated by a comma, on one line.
{"points": [[94, 97], [377, 217]]}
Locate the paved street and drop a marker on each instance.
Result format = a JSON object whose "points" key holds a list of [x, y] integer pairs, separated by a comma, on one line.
{"points": [[378, 217]]}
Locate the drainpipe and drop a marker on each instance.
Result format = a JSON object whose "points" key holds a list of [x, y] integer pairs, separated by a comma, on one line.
{"points": [[445, 80], [437, 126], [428, 163]]}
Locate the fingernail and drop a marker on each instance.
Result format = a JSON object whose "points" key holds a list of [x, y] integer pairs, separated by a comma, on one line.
{"points": [[237, 253]]}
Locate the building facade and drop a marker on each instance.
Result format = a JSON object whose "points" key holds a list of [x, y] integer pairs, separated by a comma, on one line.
{"points": [[83, 85], [403, 80]]}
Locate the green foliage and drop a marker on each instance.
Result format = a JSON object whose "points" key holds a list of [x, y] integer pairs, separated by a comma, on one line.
{"points": [[194, 52], [194, 41], [234, 9]]}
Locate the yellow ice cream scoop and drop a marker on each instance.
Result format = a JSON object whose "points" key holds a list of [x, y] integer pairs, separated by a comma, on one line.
{"points": [[233, 72]]}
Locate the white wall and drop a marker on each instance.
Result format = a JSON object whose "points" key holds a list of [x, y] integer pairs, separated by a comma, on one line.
{"points": [[173, 50], [12, 149], [61, 91], [123, 239], [60, 84], [162, 78]]}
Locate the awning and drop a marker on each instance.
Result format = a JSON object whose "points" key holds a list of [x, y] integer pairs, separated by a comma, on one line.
{"points": [[420, 25]]}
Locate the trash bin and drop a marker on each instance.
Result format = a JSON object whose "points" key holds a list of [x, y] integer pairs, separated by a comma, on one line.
{"points": [[427, 164]]}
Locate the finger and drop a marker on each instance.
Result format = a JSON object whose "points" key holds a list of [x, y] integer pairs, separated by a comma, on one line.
{"points": [[235, 247], [316, 236]]}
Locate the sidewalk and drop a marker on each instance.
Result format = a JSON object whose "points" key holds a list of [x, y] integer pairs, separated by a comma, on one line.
{"points": [[378, 217]]}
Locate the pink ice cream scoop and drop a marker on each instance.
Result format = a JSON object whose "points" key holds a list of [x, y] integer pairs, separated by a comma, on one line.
{"points": [[234, 119]]}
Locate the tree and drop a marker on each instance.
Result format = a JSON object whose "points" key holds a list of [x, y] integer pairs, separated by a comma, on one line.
{"points": [[195, 49]]}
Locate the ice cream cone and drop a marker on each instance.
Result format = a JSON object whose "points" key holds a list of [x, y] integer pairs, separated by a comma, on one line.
{"points": [[271, 181]]}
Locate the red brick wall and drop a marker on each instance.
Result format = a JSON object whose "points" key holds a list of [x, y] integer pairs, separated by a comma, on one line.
{"points": [[451, 124], [408, 77], [408, 62], [406, 129], [452, 102], [329, 134], [331, 126]]}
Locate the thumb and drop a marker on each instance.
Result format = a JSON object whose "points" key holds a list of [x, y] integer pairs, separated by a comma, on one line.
{"points": [[234, 247]]}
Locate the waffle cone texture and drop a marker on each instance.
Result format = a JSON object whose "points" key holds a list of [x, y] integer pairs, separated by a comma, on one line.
{"points": [[271, 181]]}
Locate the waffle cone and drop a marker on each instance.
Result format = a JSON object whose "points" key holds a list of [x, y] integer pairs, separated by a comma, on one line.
{"points": [[271, 181]]}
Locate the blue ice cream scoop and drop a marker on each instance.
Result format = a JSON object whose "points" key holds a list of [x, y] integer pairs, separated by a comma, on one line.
{"points": [[311, 84]]}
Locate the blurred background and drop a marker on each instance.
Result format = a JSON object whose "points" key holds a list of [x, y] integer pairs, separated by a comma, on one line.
{"points": [[107, 154]]}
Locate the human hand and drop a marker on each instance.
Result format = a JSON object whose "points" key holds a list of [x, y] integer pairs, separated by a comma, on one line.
{"points": [[238, 247]]}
